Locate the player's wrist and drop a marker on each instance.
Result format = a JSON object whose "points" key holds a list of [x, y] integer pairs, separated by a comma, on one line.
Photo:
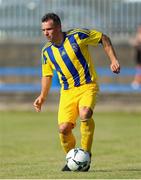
{"points": [[42, 97]]}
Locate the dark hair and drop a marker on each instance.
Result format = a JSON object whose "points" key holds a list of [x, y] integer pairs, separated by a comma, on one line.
{"points": [[52, 16]]}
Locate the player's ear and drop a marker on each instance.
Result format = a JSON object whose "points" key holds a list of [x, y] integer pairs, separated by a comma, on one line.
{"points": [[58, 26]]}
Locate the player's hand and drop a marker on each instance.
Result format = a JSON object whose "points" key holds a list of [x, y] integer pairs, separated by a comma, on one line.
{"points": [[115, 67], [38, 103]]}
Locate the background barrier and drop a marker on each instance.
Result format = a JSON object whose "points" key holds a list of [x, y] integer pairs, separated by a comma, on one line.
{"points": [[108, 81], [118, 18]]}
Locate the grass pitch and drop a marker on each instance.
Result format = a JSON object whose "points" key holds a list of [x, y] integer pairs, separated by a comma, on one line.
{"points": [[30, 147]]}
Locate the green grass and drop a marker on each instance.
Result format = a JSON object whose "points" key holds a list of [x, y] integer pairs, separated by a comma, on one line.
{"points": [[30, 147]]}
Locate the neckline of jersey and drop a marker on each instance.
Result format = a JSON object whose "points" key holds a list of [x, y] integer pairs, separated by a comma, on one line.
{"points": [[58, 46]]}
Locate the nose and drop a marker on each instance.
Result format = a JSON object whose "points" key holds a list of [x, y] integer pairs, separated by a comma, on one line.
{"points": [[46, 33]]}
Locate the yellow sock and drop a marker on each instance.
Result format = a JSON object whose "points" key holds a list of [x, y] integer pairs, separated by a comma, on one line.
{"points": [[67, 141], [87, 131]]}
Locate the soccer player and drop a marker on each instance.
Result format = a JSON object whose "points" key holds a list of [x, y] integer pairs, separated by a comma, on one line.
{"points": [[67, 53]]}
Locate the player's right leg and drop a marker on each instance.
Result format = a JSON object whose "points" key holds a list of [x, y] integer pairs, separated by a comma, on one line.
{"points": [[67, 115], [67, 139], [66, 136]]}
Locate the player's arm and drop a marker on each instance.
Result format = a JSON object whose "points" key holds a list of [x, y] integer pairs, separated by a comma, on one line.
{"points": [[45, 86], [108, 47]]}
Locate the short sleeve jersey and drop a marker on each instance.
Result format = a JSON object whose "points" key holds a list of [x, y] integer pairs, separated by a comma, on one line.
{"points": [[71, 59]]}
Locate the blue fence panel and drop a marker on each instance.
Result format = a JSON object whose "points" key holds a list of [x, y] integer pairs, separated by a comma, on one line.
{"points": [[20, 87], [36, 87], [105, 71], [19, 71]]}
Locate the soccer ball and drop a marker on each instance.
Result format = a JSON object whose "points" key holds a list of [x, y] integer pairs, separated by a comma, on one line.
{"points": [[78, 159]]}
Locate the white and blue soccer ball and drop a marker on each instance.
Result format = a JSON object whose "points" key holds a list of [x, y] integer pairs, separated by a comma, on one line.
{"points": [[78, 159]]}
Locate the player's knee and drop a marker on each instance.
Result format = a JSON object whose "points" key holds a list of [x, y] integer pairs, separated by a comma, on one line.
{"points": [[85, 113], [65, 128]]}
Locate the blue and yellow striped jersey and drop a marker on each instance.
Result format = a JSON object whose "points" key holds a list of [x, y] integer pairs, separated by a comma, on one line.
{"points": [[71, 59]]}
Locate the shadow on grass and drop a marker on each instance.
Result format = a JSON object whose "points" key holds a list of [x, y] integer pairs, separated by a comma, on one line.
{"points": [[112, 170]]}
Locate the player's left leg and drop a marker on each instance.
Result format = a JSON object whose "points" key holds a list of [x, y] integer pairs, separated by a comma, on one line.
{"points": [[87, 130], [86, 106]]}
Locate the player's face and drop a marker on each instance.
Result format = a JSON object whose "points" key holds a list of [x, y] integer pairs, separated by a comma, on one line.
{"points": [[50, 30]]}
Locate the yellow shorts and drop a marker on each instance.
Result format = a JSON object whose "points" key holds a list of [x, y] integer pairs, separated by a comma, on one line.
{"points": [[73, 99]]}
